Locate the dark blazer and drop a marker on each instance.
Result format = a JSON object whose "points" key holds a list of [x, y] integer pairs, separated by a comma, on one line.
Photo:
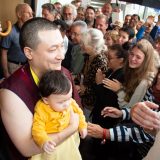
{"points": [[106, 97], [67, 60]]}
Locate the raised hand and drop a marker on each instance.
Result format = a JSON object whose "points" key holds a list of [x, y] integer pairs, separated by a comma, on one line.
{"points": [[142, 114], [111, 112], [99, 76]]}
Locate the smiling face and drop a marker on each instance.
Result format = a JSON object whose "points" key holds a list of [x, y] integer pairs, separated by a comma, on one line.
{"points": [[75, 34], [25, 13], [68, 14], [90, 15], [80, 15], [107, 9], [133, 22], [127, 19], [46, 14], [59, 102], [48, 54], [123, 37], [113, 61], [136, 58], [101, 24], [108, 40]]}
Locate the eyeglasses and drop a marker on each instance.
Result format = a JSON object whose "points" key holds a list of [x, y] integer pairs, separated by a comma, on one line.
{"points": [[110, 58], [75, 34]]}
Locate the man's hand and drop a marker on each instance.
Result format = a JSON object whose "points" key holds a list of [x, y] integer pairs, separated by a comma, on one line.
{"points": [[95, 130], [142, 114]]}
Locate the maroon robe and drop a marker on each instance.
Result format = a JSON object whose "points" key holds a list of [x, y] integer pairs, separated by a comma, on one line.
{"points": [[23, 85]]}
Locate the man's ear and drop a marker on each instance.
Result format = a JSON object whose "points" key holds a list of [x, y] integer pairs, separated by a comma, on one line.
{"points": [[19, 14], [28, 53], [45, 100]]}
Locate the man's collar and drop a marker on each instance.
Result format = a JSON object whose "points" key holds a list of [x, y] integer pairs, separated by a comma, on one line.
{"points": [[35, 77]]}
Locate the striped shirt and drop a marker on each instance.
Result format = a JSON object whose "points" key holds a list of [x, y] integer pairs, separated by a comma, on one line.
{"points": [[125, 132]]}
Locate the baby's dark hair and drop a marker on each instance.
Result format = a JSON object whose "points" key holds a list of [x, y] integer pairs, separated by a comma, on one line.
{"points": [[54, 82]]}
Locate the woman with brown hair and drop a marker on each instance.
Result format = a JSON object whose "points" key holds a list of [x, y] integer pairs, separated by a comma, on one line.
{"points": [[140, 70]]}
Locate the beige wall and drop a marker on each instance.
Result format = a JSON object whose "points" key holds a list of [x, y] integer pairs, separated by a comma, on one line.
{"points": [[7, 10]]}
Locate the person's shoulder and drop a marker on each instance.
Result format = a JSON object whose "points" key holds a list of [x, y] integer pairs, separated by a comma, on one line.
{"points": [[73, 102], [17, 76], [66, 71], [41, 107], [15, 30], [9, 99], [76, 47], [70, 43], [15, 27]]}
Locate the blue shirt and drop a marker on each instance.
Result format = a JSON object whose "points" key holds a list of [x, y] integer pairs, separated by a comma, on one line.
{"points": [[11, 43]]}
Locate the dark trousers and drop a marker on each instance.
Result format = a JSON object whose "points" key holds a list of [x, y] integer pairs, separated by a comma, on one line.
{"points": [[92, 149]]}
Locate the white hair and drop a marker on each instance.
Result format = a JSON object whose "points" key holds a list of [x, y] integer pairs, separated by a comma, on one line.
{"points": [[94, 37], [74, 10], [81, 24]]}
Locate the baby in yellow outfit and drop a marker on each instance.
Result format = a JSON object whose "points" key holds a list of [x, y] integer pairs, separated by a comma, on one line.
{"points": [[52, 115]]}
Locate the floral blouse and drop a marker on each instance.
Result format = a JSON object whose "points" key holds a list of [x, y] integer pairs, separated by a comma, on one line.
{"points": [[92, 64]]}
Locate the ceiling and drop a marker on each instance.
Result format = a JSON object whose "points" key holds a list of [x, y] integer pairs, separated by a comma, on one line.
{"points": [[148, 3]]}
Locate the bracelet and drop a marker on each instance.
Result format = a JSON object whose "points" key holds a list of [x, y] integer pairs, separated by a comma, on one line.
{"points": [[104, 136]]}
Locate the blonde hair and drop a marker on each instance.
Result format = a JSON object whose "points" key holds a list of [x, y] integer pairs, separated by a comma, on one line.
{"points": [[113, 34]]}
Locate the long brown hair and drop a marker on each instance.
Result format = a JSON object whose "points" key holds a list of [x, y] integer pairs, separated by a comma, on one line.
{"points": [[133, 76]]}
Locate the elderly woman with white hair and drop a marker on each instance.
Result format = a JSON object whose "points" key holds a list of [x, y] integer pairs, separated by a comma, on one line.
{"points": [[93, 45]]}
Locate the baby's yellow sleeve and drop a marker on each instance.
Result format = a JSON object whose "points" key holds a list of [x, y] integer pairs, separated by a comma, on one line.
{"points": [[78, 110], [38, 128]]}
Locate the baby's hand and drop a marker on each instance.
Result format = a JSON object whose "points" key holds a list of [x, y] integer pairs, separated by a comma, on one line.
{"points": [[49, 146], [83, 133]]}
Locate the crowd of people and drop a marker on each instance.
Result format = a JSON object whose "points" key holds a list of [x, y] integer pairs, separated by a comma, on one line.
{"points": [[77, 86]]}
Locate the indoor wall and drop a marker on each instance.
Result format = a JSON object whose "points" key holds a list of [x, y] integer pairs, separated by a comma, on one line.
{"points": [[7, 11]]}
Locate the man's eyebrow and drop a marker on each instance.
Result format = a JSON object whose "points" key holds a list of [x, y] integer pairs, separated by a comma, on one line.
{"points": [[56, 45]]}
